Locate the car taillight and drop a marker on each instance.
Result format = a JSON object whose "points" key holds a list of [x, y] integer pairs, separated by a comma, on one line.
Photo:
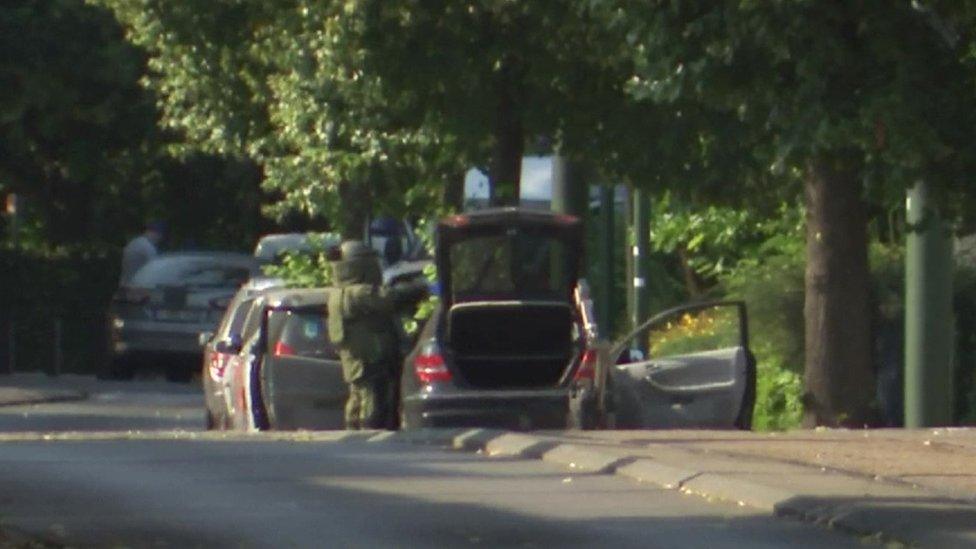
{"points": [[587, 368], [283, 349], [429, 366]]}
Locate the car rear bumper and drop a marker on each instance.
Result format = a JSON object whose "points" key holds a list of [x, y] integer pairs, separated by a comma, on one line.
{"points": [[156, 337], [519, 410]]}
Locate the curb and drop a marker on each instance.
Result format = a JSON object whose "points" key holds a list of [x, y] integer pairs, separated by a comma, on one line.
{"points": [[584, 459], [43, 398], [846, 517]]}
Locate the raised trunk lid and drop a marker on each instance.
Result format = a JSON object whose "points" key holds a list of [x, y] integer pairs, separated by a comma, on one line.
{"points": [[508, 255]]}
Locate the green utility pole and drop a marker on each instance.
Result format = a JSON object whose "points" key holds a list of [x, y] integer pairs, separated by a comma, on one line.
{"points": [[640, 309], [569, 187], [606, 243], [929, 326]]}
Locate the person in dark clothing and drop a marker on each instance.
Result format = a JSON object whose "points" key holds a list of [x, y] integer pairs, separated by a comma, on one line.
{"points": [[364, 326]]}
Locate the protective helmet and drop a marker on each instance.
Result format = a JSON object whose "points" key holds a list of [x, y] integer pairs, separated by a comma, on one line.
{"points": [[358, 264]]}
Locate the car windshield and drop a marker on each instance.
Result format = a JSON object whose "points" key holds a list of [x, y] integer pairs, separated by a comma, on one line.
{"points": [[514, 265], [302, 331], [200, 272]]}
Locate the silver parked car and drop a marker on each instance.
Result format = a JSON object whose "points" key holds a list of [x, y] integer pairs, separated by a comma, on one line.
{"points": [[287, 375], [156, 318], [222, 347]]}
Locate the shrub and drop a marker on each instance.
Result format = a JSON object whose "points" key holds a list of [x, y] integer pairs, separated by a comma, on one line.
{"points": [[773, 292]]}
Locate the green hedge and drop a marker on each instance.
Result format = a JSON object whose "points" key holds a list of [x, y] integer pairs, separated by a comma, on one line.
{"points": [[42, 290]]}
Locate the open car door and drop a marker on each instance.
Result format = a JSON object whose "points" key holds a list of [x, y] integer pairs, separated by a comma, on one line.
{"points": [[687, 367], [301, 376]]}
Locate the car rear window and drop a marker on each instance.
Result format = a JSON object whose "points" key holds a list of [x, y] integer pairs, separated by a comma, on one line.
{"points": [[198, 272], [303, 331], [510, 266]]}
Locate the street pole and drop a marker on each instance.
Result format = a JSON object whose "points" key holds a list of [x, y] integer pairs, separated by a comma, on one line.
{"points": [[606, 243], [640, 310], [569, 187], [929, 326]]}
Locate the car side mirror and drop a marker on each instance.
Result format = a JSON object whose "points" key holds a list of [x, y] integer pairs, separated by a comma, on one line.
{"points": [[203, 338]]}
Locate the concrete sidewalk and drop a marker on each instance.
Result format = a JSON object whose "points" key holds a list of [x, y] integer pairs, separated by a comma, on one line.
{"points": [[915, 488]]}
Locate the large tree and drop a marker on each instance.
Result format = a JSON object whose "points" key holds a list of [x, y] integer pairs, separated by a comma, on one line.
{"points": [[501, 78], [77, 132], [846, 103], [283, 84]]}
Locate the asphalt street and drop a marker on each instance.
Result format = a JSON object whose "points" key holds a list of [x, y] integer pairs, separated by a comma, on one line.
{"points": [[253, 491]]}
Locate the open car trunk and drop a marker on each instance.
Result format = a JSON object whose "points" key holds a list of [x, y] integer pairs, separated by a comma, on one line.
{"points": [[511, 345], [507, 279]]}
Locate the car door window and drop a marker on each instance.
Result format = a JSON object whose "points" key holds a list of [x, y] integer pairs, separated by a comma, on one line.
{"points": [[694, 331], [234, 319], [688, 367], [252, 322], [301, 333]]}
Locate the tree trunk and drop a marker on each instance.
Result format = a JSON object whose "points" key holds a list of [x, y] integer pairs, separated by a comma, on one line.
{"points": [[509, 145], [354, 206], [692, 282], [839, 382]]}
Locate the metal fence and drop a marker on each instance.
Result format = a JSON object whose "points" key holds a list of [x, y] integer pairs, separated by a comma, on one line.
{"points": [[69, 338]]}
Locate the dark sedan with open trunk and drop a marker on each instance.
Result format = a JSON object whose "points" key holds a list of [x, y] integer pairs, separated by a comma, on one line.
{"points": [[507, 345]]}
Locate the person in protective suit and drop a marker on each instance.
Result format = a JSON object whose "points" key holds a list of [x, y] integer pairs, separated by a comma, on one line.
{"points": [[364, 326]]}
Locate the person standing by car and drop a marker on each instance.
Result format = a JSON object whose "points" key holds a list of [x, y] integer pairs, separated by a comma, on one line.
{"points": [[140, 250], [363, 324]]}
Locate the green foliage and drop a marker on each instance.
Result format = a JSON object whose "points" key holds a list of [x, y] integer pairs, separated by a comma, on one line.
{"points": [[814, 76], [779, 389], [283, 84], [716, 238], [310, 269], [771, 283], [77, 133]]}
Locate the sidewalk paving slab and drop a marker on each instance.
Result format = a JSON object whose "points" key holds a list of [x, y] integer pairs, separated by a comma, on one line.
{"points": [[888, 485]]}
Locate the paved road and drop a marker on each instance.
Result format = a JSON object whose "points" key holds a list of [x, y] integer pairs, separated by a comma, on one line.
{"points": [[260, 493], [251, 491]]}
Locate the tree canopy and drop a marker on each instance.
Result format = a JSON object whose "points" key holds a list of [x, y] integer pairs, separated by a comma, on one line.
{"points": [[77, 132]]}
